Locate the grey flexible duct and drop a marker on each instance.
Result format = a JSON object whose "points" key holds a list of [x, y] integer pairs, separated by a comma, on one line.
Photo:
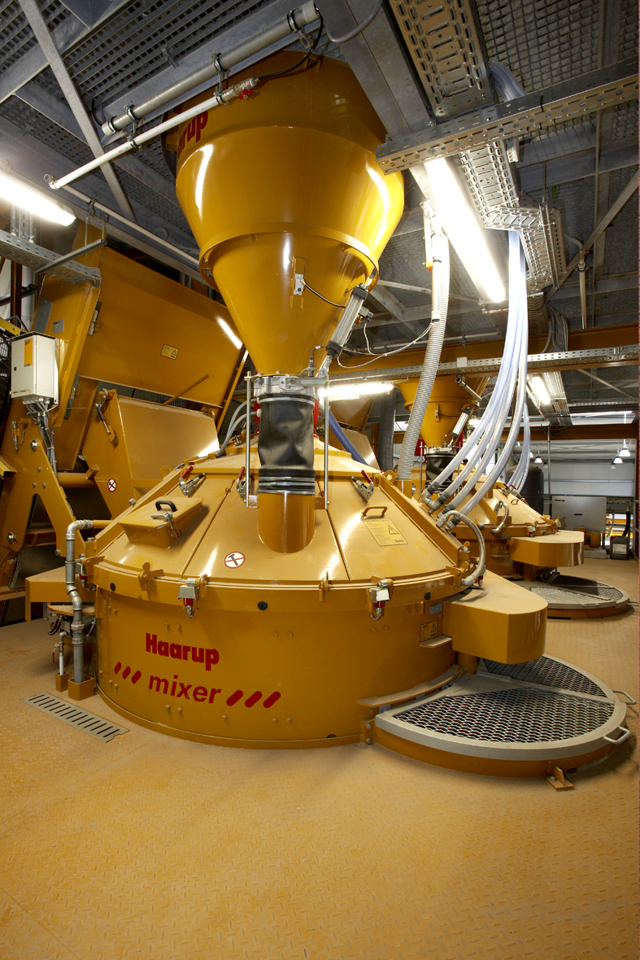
{"points": [[439, 307]]}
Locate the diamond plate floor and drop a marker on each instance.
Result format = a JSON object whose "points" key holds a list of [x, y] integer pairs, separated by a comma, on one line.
{"points": [[154, 848]]}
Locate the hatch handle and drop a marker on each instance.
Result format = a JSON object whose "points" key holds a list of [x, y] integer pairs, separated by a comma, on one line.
{"points": [[628, 698], [380, 506], [166, 503], [625, 736]]}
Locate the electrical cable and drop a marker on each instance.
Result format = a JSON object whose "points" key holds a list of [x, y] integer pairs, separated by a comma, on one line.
{"points": [[390, 353], [340, 306], [296, 66]]}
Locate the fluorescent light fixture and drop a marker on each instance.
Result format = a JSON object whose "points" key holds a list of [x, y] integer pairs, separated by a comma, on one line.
{"points": [[226, 329], [354, 391], [539, 389], [589, 414], [21, 195], [461, 227]]}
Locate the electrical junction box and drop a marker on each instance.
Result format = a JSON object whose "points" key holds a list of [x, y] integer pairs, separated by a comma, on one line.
{"points": [[34, 370]]}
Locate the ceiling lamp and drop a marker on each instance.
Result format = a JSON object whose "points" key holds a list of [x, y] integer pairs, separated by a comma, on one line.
{"points": [[625, 453], [538, 460], [461, 227], [617, 459], [539, 389], [21, 195], [353, 391]]}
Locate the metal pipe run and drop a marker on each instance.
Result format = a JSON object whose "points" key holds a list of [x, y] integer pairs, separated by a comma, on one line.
{"points": [[220, 65], [77, 624], [231, 93]]}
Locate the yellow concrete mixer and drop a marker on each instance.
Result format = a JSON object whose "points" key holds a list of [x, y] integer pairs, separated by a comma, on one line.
{"points": [[276, 596]]}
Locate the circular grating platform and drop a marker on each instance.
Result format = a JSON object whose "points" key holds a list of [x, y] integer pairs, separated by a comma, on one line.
{"points": [[510, 716], [576, 593], [543, 710], [546, 672]]}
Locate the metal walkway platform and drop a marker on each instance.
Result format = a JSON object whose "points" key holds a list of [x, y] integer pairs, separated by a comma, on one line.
{"points": [[570, 597], [519, 719]]}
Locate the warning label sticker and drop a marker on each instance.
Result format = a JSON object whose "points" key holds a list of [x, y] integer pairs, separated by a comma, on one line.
{"points": [[428, 631], [235, 559], [384, 532], [169, 351]]}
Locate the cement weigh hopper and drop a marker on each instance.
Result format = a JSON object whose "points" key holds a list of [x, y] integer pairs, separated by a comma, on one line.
{"points": [[277, 597]]}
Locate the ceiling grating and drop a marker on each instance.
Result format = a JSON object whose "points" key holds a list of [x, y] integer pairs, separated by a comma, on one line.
{"points": [[143, 38]]}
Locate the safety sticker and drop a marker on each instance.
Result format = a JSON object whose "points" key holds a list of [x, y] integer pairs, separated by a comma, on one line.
{"points": [[234, 559], [169, 351], [111, 485], [429, 631], [384, 532]]}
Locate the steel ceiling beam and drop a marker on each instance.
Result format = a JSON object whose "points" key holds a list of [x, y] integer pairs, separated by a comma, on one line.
{"points": [[517, 118], [608, 218], [379, 62], [542, 174], [45, 40], [69, 32], [34, 159], [41, 100], [558, 360]]}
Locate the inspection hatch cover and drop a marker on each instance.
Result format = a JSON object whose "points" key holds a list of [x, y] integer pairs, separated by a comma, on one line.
{"points": [[96, 726]]}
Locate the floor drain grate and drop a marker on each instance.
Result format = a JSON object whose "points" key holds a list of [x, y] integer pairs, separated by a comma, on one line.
{"points": [[96, 726]]}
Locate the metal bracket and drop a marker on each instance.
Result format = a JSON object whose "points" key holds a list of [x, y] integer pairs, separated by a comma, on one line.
{"points": [[364, 489], [188, 592], [379, 595]]}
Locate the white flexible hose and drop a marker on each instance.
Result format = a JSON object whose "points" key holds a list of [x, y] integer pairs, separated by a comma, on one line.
{"points": [[520, 473], [480, 446], [439, 307], [517, 280]]}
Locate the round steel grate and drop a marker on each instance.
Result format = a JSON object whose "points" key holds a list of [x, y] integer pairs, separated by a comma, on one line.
{"points": [[546, 672], [510, 716], [561, 591]]}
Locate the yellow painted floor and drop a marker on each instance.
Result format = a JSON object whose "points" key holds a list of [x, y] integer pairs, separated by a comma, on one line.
{"points": [[155, 848]]}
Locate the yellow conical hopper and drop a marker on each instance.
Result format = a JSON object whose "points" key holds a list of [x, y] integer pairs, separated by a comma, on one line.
{"points": [[291, 211], [282, 184], [447, 400]]}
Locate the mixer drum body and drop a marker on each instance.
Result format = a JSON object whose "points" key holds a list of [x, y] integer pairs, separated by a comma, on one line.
{"points": [[280, 649]]}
